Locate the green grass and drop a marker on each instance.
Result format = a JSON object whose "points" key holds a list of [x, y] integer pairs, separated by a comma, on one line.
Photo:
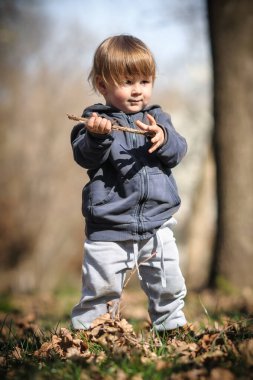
{"points": [[219, 341]]}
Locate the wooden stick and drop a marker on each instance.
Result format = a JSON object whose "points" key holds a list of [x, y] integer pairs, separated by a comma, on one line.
{"points": [[114, 126]]}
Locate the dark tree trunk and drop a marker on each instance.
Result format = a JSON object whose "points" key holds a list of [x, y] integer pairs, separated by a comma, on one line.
{"points": [[231, 34]]}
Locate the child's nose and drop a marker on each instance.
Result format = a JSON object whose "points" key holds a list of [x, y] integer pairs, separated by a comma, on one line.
{"points": [[136, 88]]}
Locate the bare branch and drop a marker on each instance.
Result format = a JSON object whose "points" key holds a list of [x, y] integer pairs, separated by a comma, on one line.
{"points": [[114, 126]]}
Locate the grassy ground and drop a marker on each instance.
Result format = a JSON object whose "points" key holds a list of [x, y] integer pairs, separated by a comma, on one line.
{"points": [[37, 342]]}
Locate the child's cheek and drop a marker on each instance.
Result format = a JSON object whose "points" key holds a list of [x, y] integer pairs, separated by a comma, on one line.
{"points": [[121, 95]]}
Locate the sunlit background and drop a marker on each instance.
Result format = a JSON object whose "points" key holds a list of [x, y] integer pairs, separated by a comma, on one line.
{"points": [[46, 53]]}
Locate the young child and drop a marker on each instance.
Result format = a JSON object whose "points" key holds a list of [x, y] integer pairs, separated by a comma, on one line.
{"points": [[129, 202]]}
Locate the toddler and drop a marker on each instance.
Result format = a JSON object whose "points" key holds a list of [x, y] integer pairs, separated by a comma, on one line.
{"points": [[131, 197]]}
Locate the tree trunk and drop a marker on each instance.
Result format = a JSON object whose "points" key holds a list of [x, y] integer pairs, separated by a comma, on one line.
{"points": [[231, 31]]}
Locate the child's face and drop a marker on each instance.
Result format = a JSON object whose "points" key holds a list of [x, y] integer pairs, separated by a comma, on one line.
{"points": [[131, 96]]}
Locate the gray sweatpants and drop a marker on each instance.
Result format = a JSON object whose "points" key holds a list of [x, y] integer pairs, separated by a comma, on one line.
{"points": [[103, 274]]}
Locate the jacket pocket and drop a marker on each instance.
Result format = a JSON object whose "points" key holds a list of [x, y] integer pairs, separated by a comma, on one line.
{"points": [[95, 197], [99, 198], [162, 196], [113, 205]]}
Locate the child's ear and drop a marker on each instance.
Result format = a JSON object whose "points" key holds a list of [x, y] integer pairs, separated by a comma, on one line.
{"points": [[101, 86]]}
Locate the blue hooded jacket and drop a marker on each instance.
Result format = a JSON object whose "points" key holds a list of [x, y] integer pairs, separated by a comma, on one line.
{"points": [[131, 192]]}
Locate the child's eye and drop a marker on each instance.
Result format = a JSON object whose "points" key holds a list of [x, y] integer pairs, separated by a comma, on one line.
{"points": [[145, 81]]}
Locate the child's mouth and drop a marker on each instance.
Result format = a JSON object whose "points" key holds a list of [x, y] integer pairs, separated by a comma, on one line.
{"points": [[134, 101]]}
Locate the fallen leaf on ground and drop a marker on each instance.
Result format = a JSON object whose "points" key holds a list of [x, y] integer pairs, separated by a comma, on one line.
{"points": [[221, 374], [246, 349]]}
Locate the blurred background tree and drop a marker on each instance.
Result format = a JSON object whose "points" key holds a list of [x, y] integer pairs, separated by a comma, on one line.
{"points": [[231, 31], [18, 49]]}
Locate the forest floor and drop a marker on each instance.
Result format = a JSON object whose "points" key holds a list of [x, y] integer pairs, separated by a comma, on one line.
{"points": [[37, 342]]}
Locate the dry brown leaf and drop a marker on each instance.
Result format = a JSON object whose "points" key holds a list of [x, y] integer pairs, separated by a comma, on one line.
{"points": [[44, 350], [101, 320], [113, 333], [58, 344], [125, 326], [66, 334], [193, 347], [111, 329], [95, 331], [26, 321], [210, 355], [73, 352], [2, 361], [246, 349], [23, 325], [181, 345], [55, 340], [162, 364], [194, 374], [103, 340], [221, 374], [100, 357], [137, 377], [207, 340], [17, 353], [121, 375], [77, 342]]}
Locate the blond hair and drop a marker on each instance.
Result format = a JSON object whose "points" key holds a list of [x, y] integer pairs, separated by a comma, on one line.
{"points": [[121, 57]]}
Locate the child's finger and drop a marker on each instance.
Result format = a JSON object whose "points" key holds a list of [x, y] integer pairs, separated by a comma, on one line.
{"points": [[146, 127], [154, 147], [151, 119], [141, 125], [105, 126]]}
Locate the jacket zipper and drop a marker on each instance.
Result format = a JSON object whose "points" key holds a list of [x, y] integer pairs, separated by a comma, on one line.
{"points": [[143, 199], [143, 184], [133, 135]]}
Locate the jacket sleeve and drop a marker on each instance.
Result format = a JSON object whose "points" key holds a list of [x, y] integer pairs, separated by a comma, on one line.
{"points": [[175, 146], [90, 150]]}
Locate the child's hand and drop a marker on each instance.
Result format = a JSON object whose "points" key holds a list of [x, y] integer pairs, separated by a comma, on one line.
{"points": [[158, 135], [98, 124]]}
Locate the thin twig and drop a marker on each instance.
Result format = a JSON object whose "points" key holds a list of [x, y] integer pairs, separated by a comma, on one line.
{"points": [[135, 269], [114, 126]]}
